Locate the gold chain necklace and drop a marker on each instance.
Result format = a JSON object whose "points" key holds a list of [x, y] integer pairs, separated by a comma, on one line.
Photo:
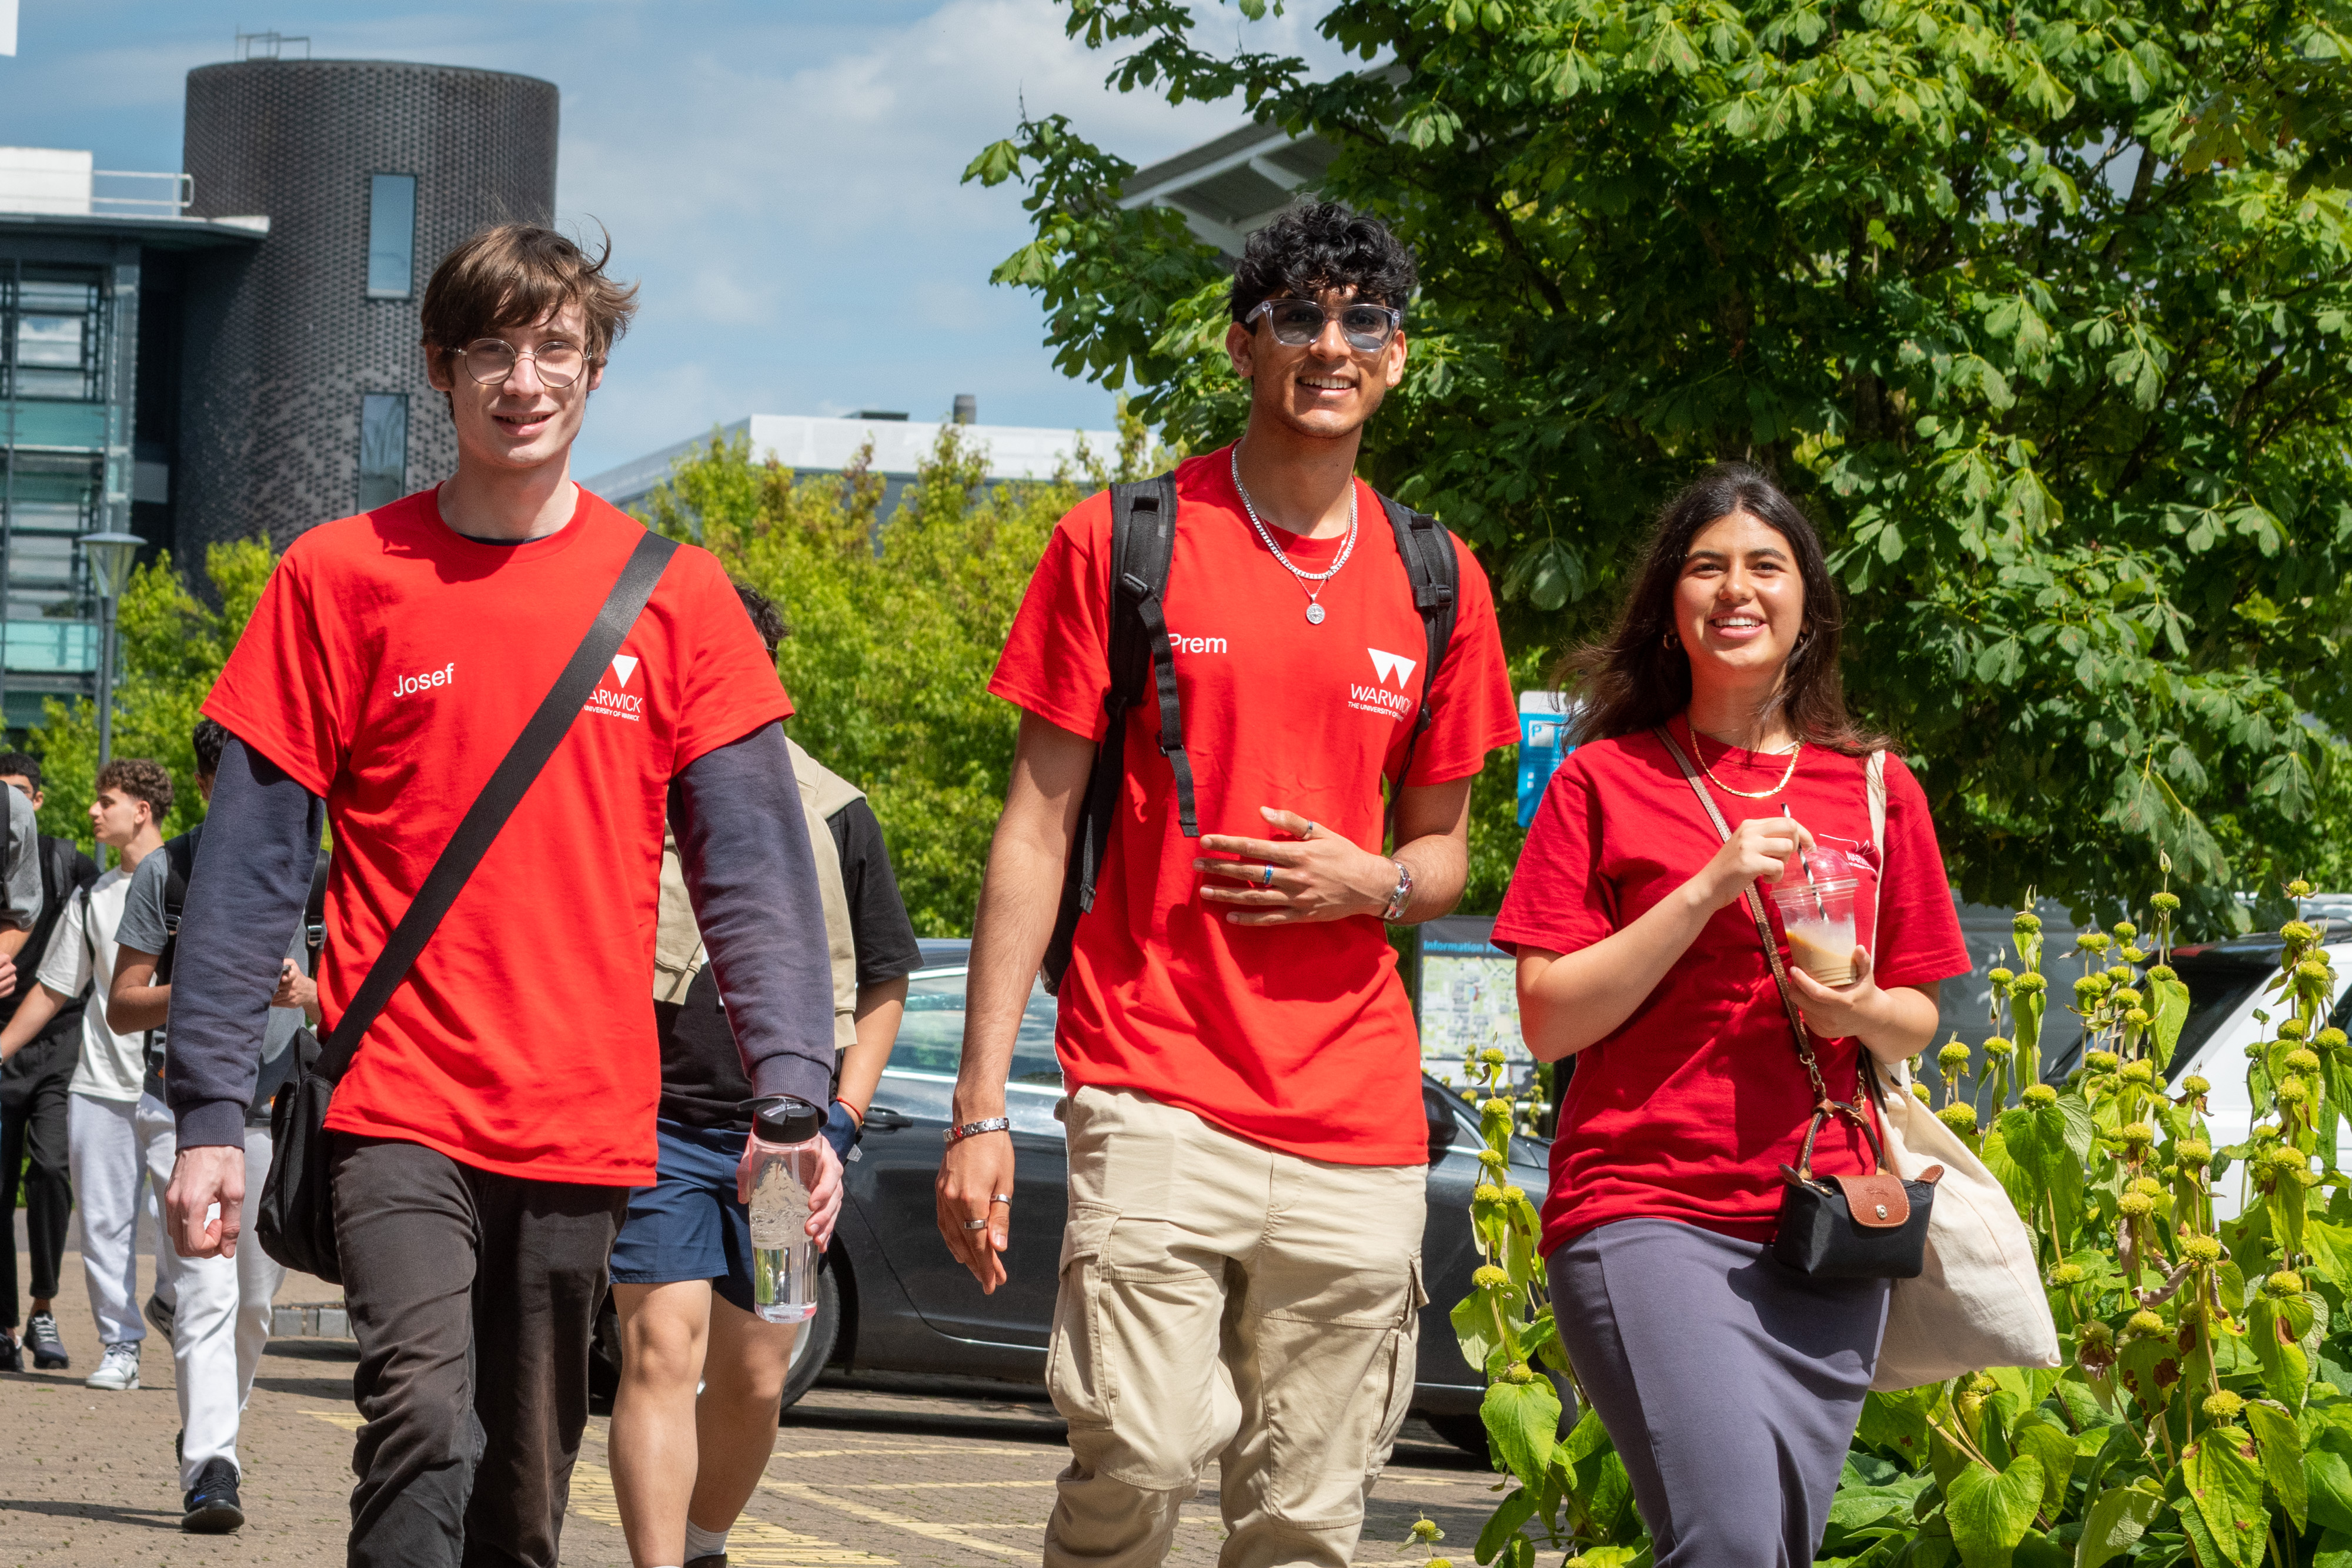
{"points": [[1795, 749]]}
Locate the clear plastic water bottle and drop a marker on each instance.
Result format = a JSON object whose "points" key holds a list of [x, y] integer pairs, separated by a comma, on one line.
{"points": [[786, 1155]]}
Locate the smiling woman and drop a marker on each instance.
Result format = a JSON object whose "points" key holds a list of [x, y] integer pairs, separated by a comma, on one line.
{"points": [[1691, 1097]]}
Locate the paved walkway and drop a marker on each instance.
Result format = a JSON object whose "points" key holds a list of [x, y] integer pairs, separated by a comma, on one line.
{"points": [[867, 1471]]}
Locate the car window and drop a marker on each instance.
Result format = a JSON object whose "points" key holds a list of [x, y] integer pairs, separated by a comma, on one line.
{"points": [[930, 1037]]}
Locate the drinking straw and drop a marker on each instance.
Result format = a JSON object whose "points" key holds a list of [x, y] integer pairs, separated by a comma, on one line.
{"points": [[1805, 864]]}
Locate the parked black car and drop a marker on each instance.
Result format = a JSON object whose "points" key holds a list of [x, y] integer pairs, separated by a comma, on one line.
{"points": [[892, 1299]]}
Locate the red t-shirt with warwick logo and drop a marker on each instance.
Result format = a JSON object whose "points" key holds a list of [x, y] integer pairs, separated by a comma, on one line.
{"points": [[387, 668], [1688, 1110], [1299, 1038]]}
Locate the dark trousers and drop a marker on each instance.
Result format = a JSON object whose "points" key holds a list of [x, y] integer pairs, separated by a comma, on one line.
{"points": [[33, 1140], [473, 1297], [1729, 1385]]}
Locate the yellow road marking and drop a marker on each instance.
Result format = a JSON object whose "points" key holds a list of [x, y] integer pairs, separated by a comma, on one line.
{"points": [[970, 1448], [925, 1486], [348, 1420], [958, 1536], [753, 1543]]}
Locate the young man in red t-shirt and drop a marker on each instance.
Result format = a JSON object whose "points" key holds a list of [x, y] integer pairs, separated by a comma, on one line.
{"points": [[1240, 1274], [502, 1106]]}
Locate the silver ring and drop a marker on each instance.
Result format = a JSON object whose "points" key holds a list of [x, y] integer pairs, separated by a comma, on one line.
{"points": [[1004, 1197], [975, 1224], [1267, 880], [1309, 832]]}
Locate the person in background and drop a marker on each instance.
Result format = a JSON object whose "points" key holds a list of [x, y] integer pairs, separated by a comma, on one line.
{"points": [[214, 1310], [104, 1134], [33, 1090], [685, 1462]]}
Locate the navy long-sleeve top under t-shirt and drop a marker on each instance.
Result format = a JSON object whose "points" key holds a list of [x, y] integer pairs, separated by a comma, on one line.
{"points": [[387, 668]]}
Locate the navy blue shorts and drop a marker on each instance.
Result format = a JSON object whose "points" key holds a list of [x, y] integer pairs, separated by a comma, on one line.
{"points": [[688, 1225]]}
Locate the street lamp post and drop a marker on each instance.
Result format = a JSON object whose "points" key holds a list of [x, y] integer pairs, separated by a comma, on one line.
{"points": [[110, 556]]}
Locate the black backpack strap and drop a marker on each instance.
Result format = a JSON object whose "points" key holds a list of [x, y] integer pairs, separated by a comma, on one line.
{"points": [[1143, 543], [179, 864], [314, 913], [1427, 550], [480, 826]]}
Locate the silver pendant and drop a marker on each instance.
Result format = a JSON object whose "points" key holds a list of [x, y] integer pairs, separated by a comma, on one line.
{"points": [[1314, 613]]}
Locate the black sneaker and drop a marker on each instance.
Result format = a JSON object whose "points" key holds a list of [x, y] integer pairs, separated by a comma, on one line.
{"points": [[212, 1508], [41, 1338], [716, 1560], [12, 1359]]}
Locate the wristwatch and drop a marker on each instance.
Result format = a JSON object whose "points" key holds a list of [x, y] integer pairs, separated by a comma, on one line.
{"points": [[1401, 896], [957, 1134]]}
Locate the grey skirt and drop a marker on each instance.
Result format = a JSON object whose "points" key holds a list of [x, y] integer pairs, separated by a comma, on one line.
{"points": [[1729, 1385]]}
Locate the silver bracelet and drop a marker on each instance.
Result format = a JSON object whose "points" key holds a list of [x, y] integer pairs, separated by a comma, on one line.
{"points": [[1401, 896], [957, 1134]]}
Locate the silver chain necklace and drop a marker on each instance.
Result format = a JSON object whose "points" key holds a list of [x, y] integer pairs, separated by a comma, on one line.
{"points": [[1312, 581]]}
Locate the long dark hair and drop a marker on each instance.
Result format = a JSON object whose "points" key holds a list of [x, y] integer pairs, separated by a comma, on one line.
{"points": [[1639, 677]]}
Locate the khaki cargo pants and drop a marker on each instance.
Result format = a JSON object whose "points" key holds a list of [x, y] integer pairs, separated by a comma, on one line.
{"points": [[1224, 1300]]}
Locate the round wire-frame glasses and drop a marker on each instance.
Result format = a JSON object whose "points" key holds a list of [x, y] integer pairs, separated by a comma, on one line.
{"points": [[490, 360]]}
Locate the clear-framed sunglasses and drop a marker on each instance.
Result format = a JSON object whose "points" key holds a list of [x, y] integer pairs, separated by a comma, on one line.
{"points": [[1298, 322], [490, 360]]}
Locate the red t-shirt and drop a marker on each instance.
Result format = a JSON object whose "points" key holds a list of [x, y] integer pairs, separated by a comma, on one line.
{"points": [[1296, 1036], [1689, 1109], [388, 666]]}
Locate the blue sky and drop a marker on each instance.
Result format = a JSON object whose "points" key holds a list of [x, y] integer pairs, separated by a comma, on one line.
{"points": [[782, 177]]}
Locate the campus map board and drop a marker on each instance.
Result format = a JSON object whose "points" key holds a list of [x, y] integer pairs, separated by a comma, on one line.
{"points": [[1469, 999]]}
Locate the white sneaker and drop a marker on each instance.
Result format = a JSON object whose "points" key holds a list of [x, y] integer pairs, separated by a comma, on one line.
{"points": [[120, 1369]]}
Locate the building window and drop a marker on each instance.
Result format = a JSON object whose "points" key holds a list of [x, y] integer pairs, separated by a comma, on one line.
{"points": [[392, 236], [383, 449]]}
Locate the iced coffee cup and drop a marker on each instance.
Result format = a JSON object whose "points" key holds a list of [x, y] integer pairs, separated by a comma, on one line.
{"points": [[1817, 913]]}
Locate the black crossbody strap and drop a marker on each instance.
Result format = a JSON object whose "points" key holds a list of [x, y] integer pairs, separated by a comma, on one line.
{"points": [[499, 796], [1427, 550], [1824, 1105]]}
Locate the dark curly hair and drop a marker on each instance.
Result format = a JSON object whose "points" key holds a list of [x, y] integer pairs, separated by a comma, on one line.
{"points": [[765, 616], [211, 739], [142, 780], [1314, 245], [1639, 676]]}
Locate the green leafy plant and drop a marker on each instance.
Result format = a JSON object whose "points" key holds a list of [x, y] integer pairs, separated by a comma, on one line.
{"points": [[2204, 1412]]}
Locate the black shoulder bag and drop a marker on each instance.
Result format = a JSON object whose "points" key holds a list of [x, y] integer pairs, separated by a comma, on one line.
{"points": [[1870, 1226], [1142, 545], [295, 1219]]}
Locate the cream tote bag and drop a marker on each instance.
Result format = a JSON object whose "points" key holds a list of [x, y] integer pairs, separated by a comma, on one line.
{"points": [[1979, 1300]]}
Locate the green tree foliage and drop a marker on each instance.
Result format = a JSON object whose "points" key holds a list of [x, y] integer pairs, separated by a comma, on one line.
{"points": [[171, 648], [2040, 310], [890, 655]]}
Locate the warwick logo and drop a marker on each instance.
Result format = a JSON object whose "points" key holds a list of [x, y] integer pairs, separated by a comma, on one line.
{"points": [[1389, 669], [621, 703]]}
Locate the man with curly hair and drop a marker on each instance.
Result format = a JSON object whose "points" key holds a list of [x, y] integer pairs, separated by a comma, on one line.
{"points": [[1241, 1269], [106, 1136]]}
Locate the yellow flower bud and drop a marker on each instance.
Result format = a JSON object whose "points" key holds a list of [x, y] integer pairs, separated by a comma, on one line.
{"points": [[2202, 1249], [2135, 1206], [2039, 1094], [2222, 1408], [2146, 1324], [2286, 1282]]}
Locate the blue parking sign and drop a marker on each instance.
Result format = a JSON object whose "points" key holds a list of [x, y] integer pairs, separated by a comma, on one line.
{"points": [[1543, 740]]}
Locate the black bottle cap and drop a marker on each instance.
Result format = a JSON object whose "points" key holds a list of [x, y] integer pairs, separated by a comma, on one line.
{"points": [[788, 1121]]}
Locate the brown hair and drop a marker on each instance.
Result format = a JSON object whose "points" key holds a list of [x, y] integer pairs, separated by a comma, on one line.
{"points": [[141, 779], [518, 274], [1639, 676]]}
